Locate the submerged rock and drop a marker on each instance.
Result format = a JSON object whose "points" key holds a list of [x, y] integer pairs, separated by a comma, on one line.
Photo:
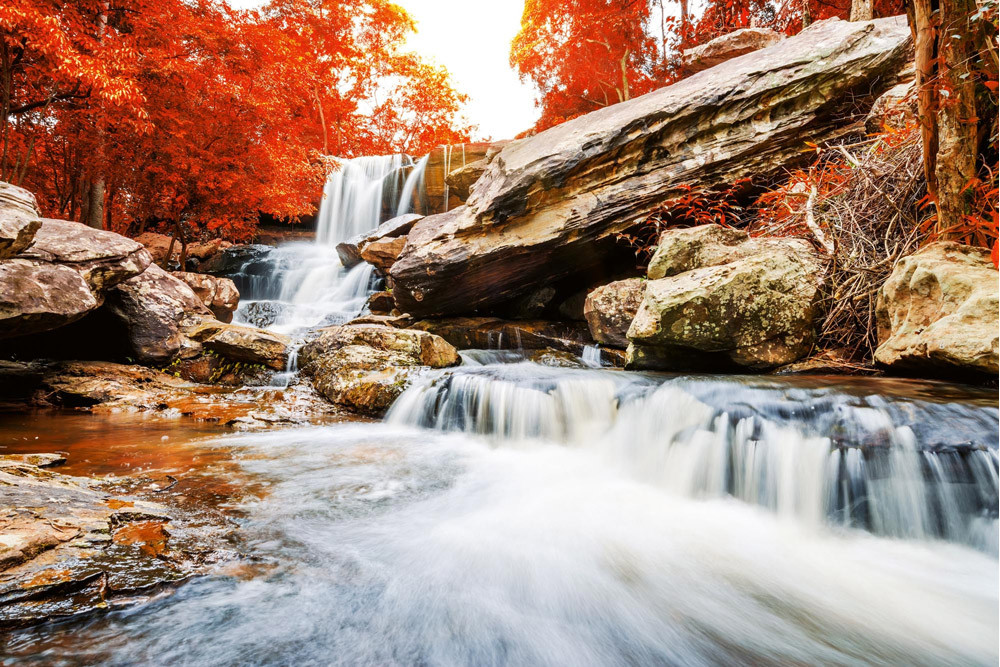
{"points": [[366, 367], [749, 306], [549, 207], [938, 312], [610, 309], [19, 219]]}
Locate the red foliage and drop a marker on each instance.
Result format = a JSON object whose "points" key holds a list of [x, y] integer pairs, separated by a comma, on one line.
{"points": [[196, 117]]}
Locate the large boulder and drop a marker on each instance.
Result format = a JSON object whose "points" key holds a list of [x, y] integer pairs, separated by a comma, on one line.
{"points": [[219, 294], [383, 253], [753, 310], [728, 46], [156, 308], [938, 312], [104, 259], [19, 219], [550, 206], [37, 296], [609, 310], [350, 251], [364, 368]]}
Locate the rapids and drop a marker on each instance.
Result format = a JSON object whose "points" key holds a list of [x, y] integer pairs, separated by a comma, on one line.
{"points": [[508, 513]]}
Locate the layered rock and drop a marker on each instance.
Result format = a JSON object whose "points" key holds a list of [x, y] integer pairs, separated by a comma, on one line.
{"points": [[751, 306], [64, 275], [240, 343], [350, 251], [549, 207], [729, 46], [938, 312], [491, 333], [383, 253], [19, 219], [219, 294], [610, 309], [366, 367]]}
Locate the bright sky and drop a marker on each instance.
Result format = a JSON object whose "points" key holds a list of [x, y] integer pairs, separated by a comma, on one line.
{"points": [[472, 39]]}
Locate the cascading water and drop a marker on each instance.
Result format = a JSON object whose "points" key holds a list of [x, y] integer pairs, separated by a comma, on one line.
{"points": [[509, 513], [302, 285]]}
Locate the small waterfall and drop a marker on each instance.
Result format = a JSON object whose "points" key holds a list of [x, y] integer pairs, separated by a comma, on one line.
{"points": [[414, 183], [298, 286], [899, 468], [591, 356]]}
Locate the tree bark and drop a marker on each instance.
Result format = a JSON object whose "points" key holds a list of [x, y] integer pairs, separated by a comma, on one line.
{"points": [[861, 10], [921, 16], [95, 195]]}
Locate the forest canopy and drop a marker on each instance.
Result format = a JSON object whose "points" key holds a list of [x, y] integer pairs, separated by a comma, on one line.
{"points": [[138, 114]]}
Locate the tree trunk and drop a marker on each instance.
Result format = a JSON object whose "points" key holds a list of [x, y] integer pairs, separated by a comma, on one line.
{"points": [[95, 195], [921, 16], [957, 137], [861, 10]]}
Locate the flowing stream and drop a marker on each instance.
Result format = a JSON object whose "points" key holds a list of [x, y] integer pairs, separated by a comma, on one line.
{"points": [[510, 513]]}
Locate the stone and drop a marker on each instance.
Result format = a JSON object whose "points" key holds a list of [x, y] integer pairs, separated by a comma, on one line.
{"points": [[442, 161], [461, 180], [242, 343], [219, 294], [159, 244], [938, 312], [894, 109], [37, 296], [156, 308], [493, 333], [755, 312], [680, 250], [609, 310], [104, 259], [350, 251], [382, 253], [549, 207], [364, 368], [381, 303], [235, 260], [726, 47], [19, 219]]}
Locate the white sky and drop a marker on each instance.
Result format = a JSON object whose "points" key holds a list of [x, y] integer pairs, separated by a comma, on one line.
{"points": [[472, 39]]}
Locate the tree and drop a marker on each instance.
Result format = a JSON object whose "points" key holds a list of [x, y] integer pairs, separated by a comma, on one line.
{"points": [[192, 118]]}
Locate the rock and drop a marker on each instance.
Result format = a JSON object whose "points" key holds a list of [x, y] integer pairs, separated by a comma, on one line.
{"points": [[156, 307], [235, 260], [534, 305], [461, 180], [350, 251], [729, 46], [19, 219], [19, 379], [680, 250], [549, 206], [366, 367], [756, 311], [439, 196], [159, 244], [938, 312], [609, 311], [37, 296], [104, 259], [219, 294], [572, 307], [491, 333], [381, 303], [382, 253], [895, 108], [240, 343], [68, 547]]}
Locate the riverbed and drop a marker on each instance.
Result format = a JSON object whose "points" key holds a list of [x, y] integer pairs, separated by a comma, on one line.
{"points": [[516, 514]]}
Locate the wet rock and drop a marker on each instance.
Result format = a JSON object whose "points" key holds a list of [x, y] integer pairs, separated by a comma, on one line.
{"points": [[350, 251], [729, 46], [491, 333], [938, 312], [19, 379], [235, 259], [382, 253], [536, 304], [156, 308], [242, 343], [263, 314], [19, 219], [442, 161], [67, 547], [103, 259], [756, 311], [215, 369], [381, 303], [219, 294], [549, 206], [366, 367], [609, 310]]}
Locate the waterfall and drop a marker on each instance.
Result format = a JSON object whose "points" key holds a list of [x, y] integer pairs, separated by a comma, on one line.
{"points": [[812, 455], [414, 183], [303, 285]]}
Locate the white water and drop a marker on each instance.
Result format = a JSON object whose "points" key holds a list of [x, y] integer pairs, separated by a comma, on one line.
{"points": [[511, 514], [304, 285]]}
